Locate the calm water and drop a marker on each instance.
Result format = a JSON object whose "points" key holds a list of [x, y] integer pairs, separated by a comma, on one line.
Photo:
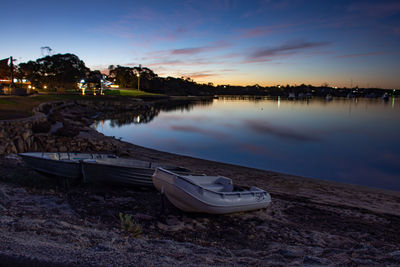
{"points": [[346, 140]]}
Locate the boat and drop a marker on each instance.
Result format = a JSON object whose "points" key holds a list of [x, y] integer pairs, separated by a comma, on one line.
{"points": [[65, 165], [208, 194], [123, 171], [292, 96], [328, 97], [385, 97]]}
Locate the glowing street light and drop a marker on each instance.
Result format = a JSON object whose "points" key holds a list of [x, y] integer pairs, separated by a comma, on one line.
{"points": [[138, 81]]}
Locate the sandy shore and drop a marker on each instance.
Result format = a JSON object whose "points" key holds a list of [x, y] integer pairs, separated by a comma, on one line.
{"points": [[310, 222]]}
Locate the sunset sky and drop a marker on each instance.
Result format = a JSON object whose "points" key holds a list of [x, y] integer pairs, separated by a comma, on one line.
{"points": [[341, 43]]}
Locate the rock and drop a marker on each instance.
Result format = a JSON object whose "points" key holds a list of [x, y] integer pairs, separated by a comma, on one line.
{"points": [[2, 208], [395, 255], [4, 198], [97, 198], [310, 260], [142, 216], [365, 262], [171, 220], [291, 253]]}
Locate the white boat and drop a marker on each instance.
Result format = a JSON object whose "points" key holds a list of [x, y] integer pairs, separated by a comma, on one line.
{"points": [[292, 96], [385, 97], [123, 171], [328, 97], [208, 194], [65, 165]]}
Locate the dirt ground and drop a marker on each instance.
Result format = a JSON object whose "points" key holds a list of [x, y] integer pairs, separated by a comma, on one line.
{"points": [[309, 221]]}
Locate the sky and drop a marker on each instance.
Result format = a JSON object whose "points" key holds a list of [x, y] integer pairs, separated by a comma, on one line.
{"points": [[265, 42]]}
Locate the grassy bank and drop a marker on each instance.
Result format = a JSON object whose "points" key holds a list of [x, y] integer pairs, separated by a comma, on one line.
{"points": [[14, 107]]}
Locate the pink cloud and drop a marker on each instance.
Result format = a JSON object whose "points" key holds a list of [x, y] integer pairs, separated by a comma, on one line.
{"points": [[365, 54], [195, 75], [378, 9], [290, 48], [197, 50], [262, 30]]}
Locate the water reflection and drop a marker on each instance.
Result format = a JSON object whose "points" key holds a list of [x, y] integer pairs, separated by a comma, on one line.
{"points": [[346, 140], [148, 113]]}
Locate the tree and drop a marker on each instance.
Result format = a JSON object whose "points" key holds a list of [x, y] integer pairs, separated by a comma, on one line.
{"points": [[29, 71], [123, 76], [57, 71]]}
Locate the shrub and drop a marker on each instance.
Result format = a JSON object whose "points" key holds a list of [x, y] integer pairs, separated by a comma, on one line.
{"points": [[128, 224]]}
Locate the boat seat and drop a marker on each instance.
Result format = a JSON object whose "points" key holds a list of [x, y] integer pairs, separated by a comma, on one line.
{"points": [[214, 187], [225, 183]]}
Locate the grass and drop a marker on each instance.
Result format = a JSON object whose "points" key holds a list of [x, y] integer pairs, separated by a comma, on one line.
{"points": [[129, 225], [14, 107], [6, 101], [129, 92]]}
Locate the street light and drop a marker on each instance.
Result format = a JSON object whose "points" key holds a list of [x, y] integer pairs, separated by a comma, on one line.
{"points": [[138, 81]]}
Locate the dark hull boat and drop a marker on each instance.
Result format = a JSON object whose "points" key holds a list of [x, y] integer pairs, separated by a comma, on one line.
{"points": [[125, 172], [66, 165]]}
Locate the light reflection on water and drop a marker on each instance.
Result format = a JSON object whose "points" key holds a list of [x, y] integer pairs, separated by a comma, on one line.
{"points": [[347, 140]]}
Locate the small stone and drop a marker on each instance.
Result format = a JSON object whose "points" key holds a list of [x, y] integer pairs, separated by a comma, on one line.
{"points": [[315, 261], [364, 262], [2, 208], [97, 198], [395, 255], [291, 253], [4, 198], [142, 216]]}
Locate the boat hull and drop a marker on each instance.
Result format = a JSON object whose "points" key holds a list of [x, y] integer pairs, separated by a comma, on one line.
{"points": [[190, 197], [117, 175], [66, 165], [66, 169], [124, 172]]}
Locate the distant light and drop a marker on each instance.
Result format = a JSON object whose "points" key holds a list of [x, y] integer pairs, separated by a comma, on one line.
{"points": [[82, 81], [279, 86], [33, 87], [29, 86], [114, 86], [45, 87], [138, 75]]}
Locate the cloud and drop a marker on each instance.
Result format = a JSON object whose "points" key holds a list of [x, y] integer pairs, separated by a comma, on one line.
{"points": [[281, 132], [378, 9], [286, 49], [364, 54], [195, 75], [265, 6], [197, 50], [261, 30]]}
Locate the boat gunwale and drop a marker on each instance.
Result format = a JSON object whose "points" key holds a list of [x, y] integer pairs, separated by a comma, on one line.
{"points": [[240, 193], [33, 156]]}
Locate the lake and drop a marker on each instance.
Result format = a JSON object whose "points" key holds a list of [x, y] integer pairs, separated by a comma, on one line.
{"points": [[355, 141]]}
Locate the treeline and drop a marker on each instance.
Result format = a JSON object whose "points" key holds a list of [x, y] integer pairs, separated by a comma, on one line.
{"points": [[63, 71]]}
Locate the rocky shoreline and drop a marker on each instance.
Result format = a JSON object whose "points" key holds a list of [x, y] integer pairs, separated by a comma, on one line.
{"points": [[310, 222]]}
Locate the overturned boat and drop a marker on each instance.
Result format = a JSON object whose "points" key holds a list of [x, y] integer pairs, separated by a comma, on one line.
{"points": [[208, 194], [65, 165], [123, 171]]}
